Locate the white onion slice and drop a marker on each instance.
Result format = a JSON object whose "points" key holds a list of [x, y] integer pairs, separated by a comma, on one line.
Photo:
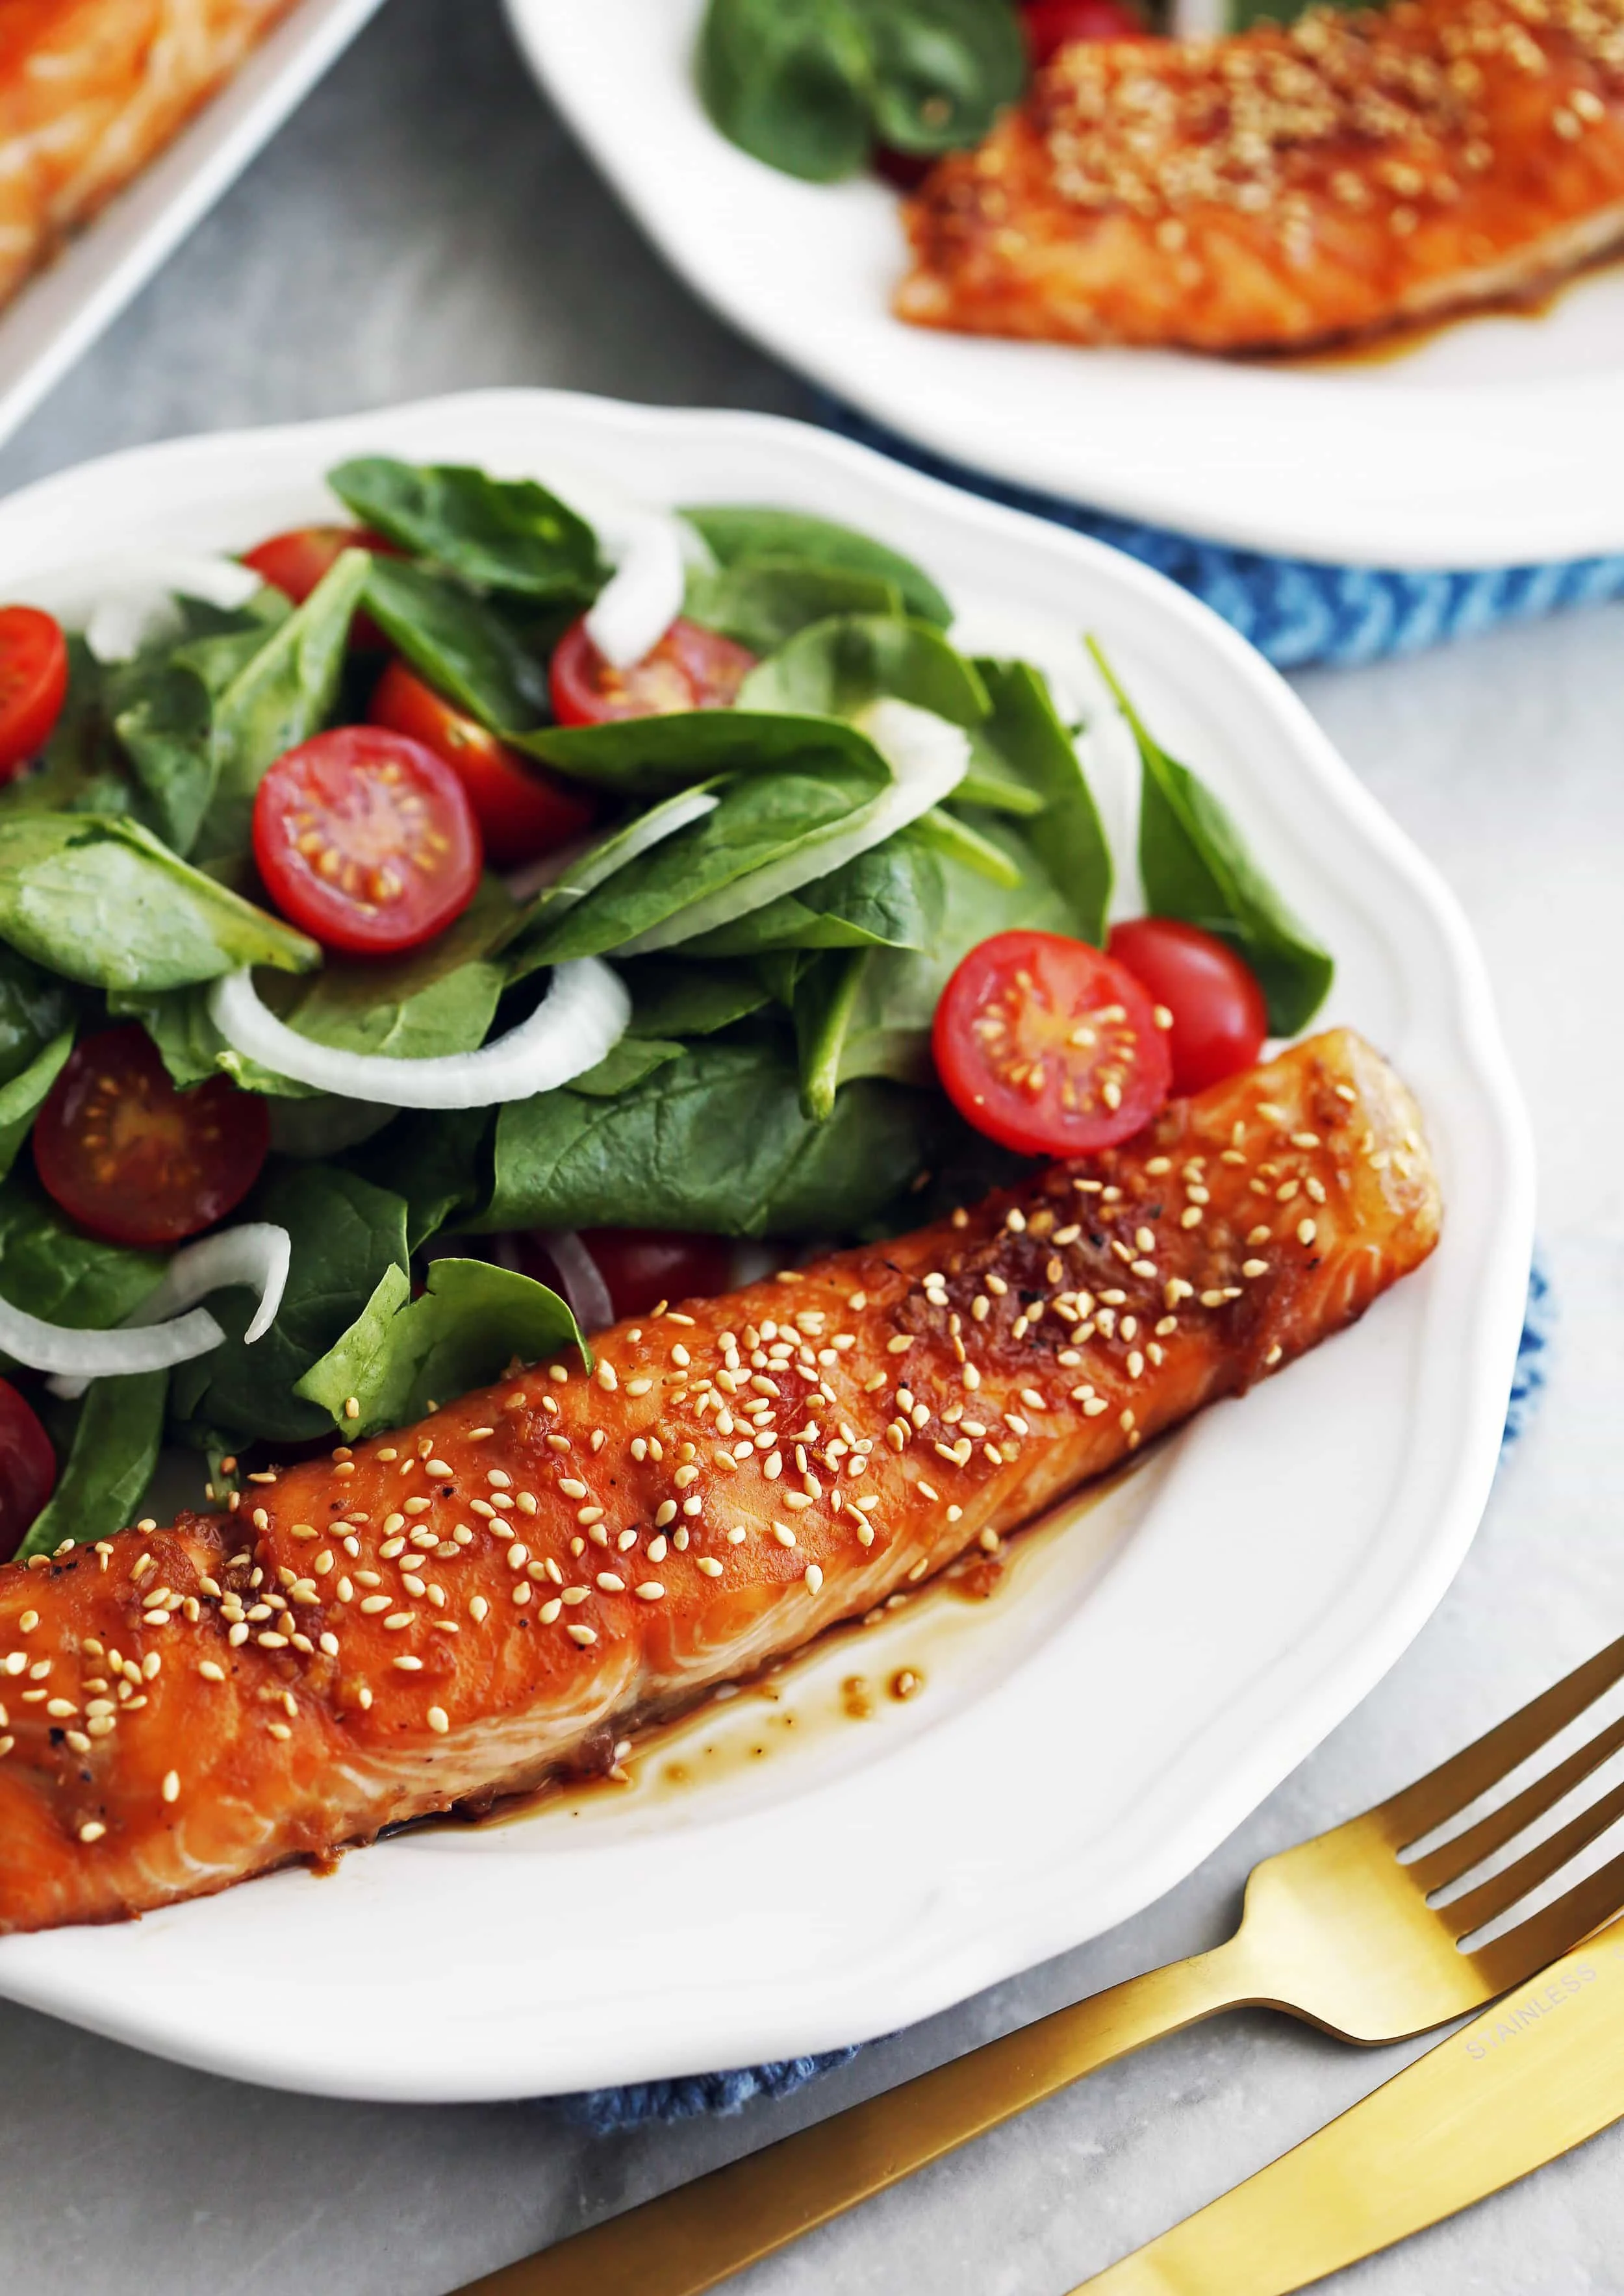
{"points": [[581, 1280], [582, 1016], [644, 596], [595, 863], [85, 1356], [928, 757], [141, 592], [256, 1256]]}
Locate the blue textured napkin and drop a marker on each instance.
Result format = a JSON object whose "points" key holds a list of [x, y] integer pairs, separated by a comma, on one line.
{"points": [[607, 2110], [1293, 610]]}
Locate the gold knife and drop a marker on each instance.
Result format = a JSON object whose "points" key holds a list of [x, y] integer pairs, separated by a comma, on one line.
{"points": [[1536, 2075]]}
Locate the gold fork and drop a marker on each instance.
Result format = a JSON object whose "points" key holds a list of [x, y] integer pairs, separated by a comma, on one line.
{"points": [[1336, 1931]]}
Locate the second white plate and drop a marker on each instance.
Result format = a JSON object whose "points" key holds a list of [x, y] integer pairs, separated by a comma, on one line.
{"points": [[1089, 1734], [1492, 444]]}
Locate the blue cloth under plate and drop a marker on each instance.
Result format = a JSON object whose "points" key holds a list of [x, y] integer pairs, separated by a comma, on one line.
{"points": [[608, 2109], [1294, 611]]}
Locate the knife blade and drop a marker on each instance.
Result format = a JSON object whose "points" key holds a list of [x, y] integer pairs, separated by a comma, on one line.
{"points": [[1536, 2075]]}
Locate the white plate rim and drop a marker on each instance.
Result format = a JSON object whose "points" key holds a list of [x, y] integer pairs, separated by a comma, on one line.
{"points": [[59, 313], [152, 1984], [1349, 468]]}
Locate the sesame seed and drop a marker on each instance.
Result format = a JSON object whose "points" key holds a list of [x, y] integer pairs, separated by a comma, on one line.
{"points": [[709, 1564], [1306, 1231], [439, 1719], [409, 1664], [582, 1634], [171, 1785], [92, 1830]]}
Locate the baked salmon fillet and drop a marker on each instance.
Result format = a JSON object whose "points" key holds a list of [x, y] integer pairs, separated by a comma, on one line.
{"points": [[89, 91], [454, 1612], [1286, 186]]}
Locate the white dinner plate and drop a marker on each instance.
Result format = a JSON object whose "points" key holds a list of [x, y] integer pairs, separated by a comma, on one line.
{"points": [[1082, 1738], [57, 315], [1494, 443]]}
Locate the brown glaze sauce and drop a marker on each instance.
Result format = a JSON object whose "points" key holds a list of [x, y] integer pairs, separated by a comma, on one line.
{"points": [[1387, 346], [893, 1653]]}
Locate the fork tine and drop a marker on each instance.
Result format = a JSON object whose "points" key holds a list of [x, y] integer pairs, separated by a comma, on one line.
{"points": [[1447, 1789], [1555, 1930], [1501, 1891], [1447, 1863]]}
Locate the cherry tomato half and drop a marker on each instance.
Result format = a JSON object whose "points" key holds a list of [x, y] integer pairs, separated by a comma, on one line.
{"points": [[691, 668], [28, 1470], [1051, 25], [294, 563], [522, 810], [642, 1266], [366, 840], [1219, 1016], [33, 683], [135, 1161], [1047, 1045]]}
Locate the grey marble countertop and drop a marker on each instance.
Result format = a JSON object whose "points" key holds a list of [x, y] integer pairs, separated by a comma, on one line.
{"points": [[424, 224]]}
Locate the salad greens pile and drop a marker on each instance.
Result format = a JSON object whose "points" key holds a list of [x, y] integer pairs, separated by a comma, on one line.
{"points": [[775, 1078]]}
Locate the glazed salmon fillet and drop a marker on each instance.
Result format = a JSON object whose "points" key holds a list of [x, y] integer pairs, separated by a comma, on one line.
{"points": [[89, 91], [1286, 186], [458, 1609]]}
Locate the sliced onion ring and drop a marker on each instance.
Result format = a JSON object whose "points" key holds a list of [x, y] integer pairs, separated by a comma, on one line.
{"points": [[644, 596], [81, 1356], [139, 599], [582, 1016], [256, 1257], [579, 1279]]}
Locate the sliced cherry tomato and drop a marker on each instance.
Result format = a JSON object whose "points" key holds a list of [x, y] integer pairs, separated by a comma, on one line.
{"points": [[522, 810], [366, 840], [691, 668], [294, 563], [1219, 1016], [1051, 25], [133, 1159], [1047, 1045], [28, 1470], [33, 683], [642, 1266]]}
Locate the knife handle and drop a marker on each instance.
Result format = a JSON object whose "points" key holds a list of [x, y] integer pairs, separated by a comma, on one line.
{"points": [[690, 2239]]}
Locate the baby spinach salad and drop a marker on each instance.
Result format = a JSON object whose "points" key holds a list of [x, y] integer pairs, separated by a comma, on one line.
{"points": [[438, 932]]}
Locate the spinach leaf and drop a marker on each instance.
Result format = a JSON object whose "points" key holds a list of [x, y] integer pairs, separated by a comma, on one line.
{"points": [[948, 832], [889, 1030], [878, 900], [437, 999], [736, 533], [21, 1099], [462, 646], [714, 1141], [438, 1162], [110, 1464], [762, 602], [760, 820], [50, 1270], [626, 1065], [1194, 865], [34, 1006], [1025, 732], [499, 534], [282, 695], [836, 667], [322, 1124], [809, 85], [101, 901], [825, 1000], [648, 757], [403, 1356], [165, 722], [344, 1233], [678, 999], [79, 766]]}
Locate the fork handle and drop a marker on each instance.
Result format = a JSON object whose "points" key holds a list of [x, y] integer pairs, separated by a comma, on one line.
{"points": [[688, 2240]]}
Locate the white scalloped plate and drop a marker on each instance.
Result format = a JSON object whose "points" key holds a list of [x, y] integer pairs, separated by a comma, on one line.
{"points": [[1146, 1674], [1492, 443]]}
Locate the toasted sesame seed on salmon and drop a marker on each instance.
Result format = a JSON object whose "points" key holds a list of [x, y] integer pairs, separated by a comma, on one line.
{"points": [[91, 90], [456, 1609], [1286, 186]]}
